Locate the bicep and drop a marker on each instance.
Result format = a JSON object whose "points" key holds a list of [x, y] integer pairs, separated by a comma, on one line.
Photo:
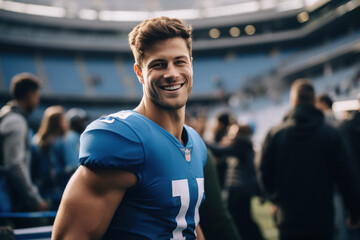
{"points": [[89, 203]]}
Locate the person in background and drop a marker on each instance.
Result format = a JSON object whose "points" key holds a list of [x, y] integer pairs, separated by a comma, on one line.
{"points": [[48, 151], [215, 218], [300, 162], [222, 123], [241, 183], [324, 103], [15, 143], [220, 130], [78, 119], [350, 128]]}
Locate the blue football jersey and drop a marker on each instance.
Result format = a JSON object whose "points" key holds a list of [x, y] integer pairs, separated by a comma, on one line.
{"points": [[164, 203]]}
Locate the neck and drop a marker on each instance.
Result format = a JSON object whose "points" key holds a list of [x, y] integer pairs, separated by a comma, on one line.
{"points": [[172, 120], [22, 105]]}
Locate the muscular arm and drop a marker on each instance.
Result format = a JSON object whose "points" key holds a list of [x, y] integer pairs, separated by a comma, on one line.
{"points": [[199, 233], [89, 203]]}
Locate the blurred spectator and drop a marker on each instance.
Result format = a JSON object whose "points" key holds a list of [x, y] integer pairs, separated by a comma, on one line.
{"points": [[221, 126], [78, 119], [350, 129], [15, 143], [222, 123], [215, 219], [300, 162], [48, 151], [241, 181], [324, 103]]}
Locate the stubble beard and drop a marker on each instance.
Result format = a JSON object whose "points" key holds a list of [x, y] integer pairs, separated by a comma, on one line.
{"points": [[156, 100]]}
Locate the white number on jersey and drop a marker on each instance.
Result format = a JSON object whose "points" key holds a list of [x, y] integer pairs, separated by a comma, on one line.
{"points": [[180, 188]]}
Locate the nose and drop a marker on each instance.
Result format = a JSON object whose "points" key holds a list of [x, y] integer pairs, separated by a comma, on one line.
{"points": [[171, 72]]}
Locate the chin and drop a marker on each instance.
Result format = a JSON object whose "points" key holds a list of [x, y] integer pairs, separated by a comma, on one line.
{"points": [[170, 106]]}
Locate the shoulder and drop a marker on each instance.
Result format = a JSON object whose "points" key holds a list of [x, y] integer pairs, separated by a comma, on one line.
{"points": [[13, 117], [111, 142], [13, 122], [280, 128], [331, 133], [121, 123], [117, 123]]}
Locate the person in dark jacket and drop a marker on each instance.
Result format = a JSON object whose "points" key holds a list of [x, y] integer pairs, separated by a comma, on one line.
{"points": [[300, 162], [215, 218], [350, 128], [241, 182]]}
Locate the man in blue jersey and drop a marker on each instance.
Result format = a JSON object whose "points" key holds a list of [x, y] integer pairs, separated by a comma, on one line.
{"points": [[141, 173]]}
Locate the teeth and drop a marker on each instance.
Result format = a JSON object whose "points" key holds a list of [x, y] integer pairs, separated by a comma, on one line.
{"points": [[172, 88]]}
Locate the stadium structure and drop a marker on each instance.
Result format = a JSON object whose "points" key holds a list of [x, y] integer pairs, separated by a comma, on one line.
{"points": [[246, 54]]}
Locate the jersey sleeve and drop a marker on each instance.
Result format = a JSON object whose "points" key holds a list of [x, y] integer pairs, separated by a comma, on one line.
{"points": [[111, 143]]}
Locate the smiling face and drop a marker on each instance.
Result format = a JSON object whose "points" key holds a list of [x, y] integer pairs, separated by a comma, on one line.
{"points": [[166, 73]]}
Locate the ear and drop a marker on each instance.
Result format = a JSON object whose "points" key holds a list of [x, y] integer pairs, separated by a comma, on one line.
{"points": [[138, 72], [191, 65]]}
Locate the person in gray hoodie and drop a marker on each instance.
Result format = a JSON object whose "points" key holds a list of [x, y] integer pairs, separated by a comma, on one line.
{"points": [[15, 144], [300, 162]]}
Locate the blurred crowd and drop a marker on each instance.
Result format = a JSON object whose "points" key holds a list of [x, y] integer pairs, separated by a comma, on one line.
{"points": [[36, 166], [308, 166]]}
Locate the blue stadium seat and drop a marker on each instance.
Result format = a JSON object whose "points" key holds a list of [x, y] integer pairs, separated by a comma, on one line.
{"points": [[231, 72], [128, 65], [64, 78], [14, 63], [109, 82]]}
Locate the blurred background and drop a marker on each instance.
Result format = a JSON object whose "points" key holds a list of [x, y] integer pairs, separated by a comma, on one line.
{"points": [[246, 54]]}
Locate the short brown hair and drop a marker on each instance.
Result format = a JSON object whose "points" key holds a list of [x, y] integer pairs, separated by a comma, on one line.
{"points": [[152, 30], [302, 91], [22, 84]]}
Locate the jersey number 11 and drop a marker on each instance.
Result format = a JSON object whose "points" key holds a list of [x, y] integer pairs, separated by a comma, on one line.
{"points": [[180, 188]]}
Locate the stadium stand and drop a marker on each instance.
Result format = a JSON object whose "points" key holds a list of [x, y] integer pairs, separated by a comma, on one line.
{"points": [[63, 76], [104, 77], [13, 63], [87, 64]]}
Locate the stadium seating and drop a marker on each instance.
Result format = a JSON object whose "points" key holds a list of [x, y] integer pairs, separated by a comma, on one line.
{"points": [[105, 78], [13, 63], [112, 77], [63, 75]]}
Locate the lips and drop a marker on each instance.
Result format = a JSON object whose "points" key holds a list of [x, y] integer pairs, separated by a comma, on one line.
{"points": [[172, 87]]}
